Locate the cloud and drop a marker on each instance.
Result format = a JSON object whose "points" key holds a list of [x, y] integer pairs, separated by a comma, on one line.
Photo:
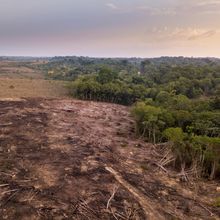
{"points": [[181, 34], [157, 11], [202, 34], [188, 7], [205, 6], [152, 11], [191, 34], [208, 3], [112, 6]]}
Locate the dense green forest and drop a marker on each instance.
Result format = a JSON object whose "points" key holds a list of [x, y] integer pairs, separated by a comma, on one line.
{"points": [[174, 100]]}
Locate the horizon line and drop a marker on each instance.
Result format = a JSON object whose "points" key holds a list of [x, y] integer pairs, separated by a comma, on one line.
{"points": [[109, 57]]}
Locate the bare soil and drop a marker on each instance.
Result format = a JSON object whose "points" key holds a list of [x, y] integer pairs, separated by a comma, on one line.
{"points": [[70, 159]]}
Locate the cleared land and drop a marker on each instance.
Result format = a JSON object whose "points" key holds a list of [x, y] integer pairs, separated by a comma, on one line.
{"points": [[68, 159]]}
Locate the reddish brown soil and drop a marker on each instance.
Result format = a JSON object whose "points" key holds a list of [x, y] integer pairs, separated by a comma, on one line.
{"points": [[63, 159]]}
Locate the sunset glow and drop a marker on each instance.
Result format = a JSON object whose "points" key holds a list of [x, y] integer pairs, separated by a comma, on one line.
{"points": [[115, 28]]}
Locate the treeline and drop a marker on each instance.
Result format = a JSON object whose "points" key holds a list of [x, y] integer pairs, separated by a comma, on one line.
{"points": [[68, 68], [106, 86], [187, 76], [161, 84]]}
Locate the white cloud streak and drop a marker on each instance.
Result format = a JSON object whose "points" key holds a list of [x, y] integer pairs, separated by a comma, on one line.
{"points": [[182, 34], [112, 6], [154, 11]]}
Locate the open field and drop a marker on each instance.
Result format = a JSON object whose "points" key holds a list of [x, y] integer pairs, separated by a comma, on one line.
{"points": [[68, 159], [21, 79], [16, 88], [19, 70]]}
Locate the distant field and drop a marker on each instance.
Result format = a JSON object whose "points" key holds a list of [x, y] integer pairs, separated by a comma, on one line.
{"points": [[21, 79], [19, 70], [16, 88]]}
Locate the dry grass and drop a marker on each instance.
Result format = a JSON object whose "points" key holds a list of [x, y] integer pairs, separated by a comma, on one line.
{"points": [[18, 70], [17, 79], [17, 88]]}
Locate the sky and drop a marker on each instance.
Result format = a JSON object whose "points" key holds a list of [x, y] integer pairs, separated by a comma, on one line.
{"points": [[110, 28]]}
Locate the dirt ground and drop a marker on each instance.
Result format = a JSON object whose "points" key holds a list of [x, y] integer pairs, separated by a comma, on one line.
{"points": [[70, 159]]}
